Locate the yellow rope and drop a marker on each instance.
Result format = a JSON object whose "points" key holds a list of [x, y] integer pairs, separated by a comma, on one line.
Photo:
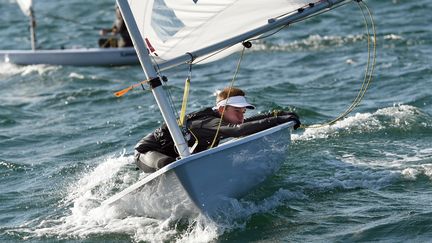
{"points": [[368, 72], [184, 102], [229, 91]]}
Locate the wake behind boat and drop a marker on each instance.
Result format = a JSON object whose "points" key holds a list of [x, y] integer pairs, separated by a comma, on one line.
{"points": [[183, 31]]}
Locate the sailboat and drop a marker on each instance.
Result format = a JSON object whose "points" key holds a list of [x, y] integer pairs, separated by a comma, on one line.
{"points": [[74, 57], [188, 31]]}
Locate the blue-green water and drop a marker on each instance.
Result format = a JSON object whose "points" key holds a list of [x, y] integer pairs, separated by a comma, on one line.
{"points": [[66, 142]]}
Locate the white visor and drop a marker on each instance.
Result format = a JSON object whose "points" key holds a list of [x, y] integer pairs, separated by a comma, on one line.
{"points": [[236, 101]]}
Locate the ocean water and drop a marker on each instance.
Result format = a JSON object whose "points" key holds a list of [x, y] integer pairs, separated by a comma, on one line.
{"points": [[66, 142]]}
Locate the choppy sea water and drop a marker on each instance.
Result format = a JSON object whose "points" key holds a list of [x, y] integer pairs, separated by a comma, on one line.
{"points": [[66, 142]]}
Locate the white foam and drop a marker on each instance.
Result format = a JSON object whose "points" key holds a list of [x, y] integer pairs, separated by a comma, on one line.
{"points": [[413, 172], [399, 116], [359, 121], [153, 214], [76, 75], [9, 69], [159, 212], [393, 37], [315, 42]]}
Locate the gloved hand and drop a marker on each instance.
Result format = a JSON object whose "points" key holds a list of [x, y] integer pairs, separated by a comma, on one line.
{"points": [[285, 113], [288, 118]]}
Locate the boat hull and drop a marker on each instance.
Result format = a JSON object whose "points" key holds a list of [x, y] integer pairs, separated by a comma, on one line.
{"points": [[212, 178], [73, 57]]}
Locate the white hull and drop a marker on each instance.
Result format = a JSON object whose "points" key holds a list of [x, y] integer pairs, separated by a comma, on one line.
{"points": [[213, 177], [74, 57], [233, 169]]}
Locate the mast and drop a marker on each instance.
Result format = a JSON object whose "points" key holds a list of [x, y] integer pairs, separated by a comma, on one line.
{"points": [[32, 28], [155, 83], [27, 8]]}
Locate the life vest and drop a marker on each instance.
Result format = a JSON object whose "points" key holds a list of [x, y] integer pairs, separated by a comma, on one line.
{"points": [[163, 137]]}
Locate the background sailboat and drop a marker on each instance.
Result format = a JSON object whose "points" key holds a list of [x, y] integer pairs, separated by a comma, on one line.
{"points": [[76, 56]]}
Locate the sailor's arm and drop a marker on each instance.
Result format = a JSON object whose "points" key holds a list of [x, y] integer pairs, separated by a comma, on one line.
{"points": [[252, 127]]}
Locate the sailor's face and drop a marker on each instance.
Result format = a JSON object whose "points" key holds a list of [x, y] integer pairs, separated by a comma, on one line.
{"points": [[234, 115]]}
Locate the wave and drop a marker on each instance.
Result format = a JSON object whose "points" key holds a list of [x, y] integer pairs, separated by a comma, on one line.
{"points": [[8, 167], [8, 69], [365, 151], [312, 42], [80, 213], [401, 117], [140, 216]]}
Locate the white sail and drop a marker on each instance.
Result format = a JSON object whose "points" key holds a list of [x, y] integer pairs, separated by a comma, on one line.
{"points": [[172, 28], [25, 6]]}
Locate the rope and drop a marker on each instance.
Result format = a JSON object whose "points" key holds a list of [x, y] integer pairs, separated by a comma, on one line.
{"points": [[124, 91], [229, 91], [370, 67], [185, 97]]}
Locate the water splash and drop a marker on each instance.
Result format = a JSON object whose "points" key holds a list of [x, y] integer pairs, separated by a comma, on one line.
{"points": [[8, 69], [159, 212], [82, 214], [402, 117]]}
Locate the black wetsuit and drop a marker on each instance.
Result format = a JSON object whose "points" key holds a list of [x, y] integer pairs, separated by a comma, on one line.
{"points": [[120, 27], [203, 125]]}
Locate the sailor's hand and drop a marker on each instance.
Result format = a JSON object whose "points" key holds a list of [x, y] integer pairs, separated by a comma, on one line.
{"points": [[285, 113], [288, 118], [103, 32], [114, 30]]}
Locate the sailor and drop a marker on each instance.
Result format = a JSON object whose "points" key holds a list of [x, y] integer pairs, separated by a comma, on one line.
{"points": [[119, 27], [206, 128]]}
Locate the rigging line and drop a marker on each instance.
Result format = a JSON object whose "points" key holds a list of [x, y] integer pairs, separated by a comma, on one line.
{"points": [[167, 89], [365, 84], [171, 100], [333, 6], [369, 69], [228, 95], [365, 80], [374, 43], [300, 9], [265, 36], [165, 84], [320, 12], [155, 64], [284, 26], [214, 53]]}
